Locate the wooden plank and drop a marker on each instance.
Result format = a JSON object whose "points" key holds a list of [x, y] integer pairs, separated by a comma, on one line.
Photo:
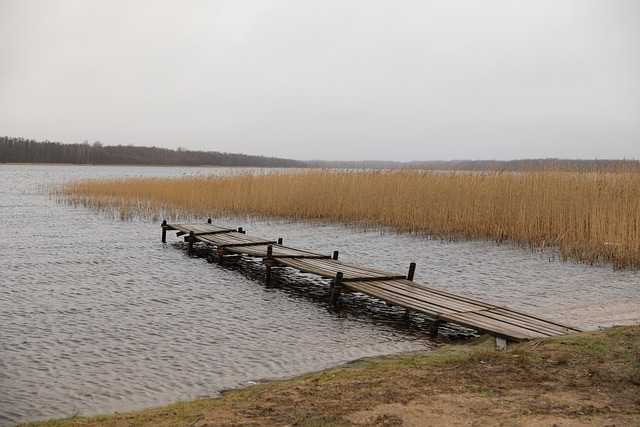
{"points": [[329, 267], [507, 316], [540, 328], [438, 298], [420, 293], [257, 243], [492, 328], [280, 251], [531, 317], [440, 313], [258, 251], [374, 279], [305, 266], [233, 239], [443, 305], [447, 313], [479, 321], [200, 228], [452, 295], [314, 256], [502, 317], [431, 310]]}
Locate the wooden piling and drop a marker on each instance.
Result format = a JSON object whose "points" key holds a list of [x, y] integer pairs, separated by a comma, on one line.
{"points": [[412, 270], [220, 254], [433, 328], [335, 255], [164, 231], [191, 238], [268, 263], [280, 240], [336, 285]]}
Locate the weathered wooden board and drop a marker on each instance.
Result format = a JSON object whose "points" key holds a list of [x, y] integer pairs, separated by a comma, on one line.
{"points": [[199, 228], [434, 305], [280, 251], [223, 240], [330, 267]]}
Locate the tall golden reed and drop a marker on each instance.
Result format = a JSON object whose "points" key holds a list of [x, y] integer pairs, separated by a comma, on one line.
{"points": [[592, 216]]}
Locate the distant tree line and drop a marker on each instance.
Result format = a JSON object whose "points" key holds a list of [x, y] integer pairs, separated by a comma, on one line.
{"points": [[480, 165], [21, 150]]}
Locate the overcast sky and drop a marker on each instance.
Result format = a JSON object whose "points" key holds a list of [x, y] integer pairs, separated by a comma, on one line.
{"points": [[332, 80]]}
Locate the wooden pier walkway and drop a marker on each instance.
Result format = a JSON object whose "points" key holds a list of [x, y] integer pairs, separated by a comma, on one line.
{"points": [[396, 289]]}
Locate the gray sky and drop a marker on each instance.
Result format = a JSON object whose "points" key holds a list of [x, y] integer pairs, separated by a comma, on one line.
{"points": [[332, 80]]}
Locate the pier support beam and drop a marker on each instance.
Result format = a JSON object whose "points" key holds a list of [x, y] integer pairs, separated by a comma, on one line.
{"points": [[268, 263], [412, 270], [191, 239], [336, 285], [164, 231], [433, 327], [501, 344]]}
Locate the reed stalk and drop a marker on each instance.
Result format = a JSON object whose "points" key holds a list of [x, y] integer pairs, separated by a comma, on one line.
{"points": [[592, 216]]}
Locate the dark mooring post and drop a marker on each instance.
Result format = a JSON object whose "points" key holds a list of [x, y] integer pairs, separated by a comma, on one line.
{"points": [[192, 238], [268, 263], [336, 284], [335, 255], [433, 328], [412, 271], [164, 231], [209, 221], [280, 240]]}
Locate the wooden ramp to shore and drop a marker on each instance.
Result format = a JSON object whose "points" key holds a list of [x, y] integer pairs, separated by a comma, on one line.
{"points": [[396, 289]]}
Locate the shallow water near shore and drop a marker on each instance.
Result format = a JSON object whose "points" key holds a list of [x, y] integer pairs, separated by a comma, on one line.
{"points": [[98, 316]]}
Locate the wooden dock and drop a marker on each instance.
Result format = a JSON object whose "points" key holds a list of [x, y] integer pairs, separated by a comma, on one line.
{"points": [[396, 289]]}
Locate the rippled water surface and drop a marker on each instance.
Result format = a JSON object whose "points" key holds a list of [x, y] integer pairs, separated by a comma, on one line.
{"points": [[98, 316]]}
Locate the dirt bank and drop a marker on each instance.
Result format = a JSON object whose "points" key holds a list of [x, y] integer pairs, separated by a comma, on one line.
{"points": [[586, 379]]}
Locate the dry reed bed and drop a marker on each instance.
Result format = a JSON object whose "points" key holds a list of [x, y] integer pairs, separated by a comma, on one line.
{"points": [[592, 217]]}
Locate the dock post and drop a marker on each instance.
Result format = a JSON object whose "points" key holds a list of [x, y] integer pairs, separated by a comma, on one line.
{"points": [[280, 240], [268, 263], [335, 255], [192, 239], [412, 270], [220, 254], [209, 221], [336, 284], [164, 231], [433, 328]]}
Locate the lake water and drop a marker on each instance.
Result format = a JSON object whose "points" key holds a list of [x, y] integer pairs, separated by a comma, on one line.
{"points": [[98, 316]]}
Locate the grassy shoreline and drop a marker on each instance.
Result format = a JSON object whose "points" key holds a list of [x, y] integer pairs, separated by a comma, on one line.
{"points": [[587, 378]]}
